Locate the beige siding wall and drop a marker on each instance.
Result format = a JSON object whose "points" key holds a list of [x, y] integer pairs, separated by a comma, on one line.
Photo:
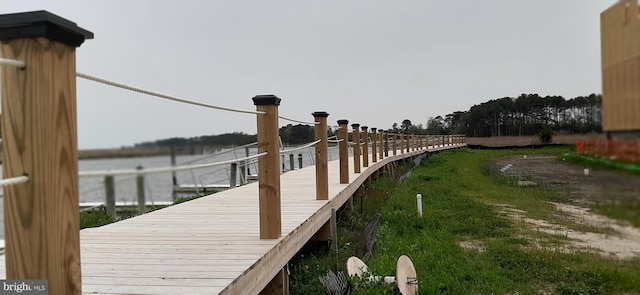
{"points": [[620, 37]]}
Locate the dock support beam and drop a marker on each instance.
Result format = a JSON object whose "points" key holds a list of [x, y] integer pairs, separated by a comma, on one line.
{"points": [[39, 130], [322, 171], [269, 166]]}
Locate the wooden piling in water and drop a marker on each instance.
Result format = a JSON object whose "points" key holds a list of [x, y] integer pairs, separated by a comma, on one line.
{"points": [[39, 130], [268, 166]]}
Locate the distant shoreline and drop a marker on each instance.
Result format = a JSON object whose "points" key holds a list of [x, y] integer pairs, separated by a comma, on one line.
{"points": [[122, 153]]}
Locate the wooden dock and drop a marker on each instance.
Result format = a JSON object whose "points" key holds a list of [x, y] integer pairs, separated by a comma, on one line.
{"points": [[211, 245]]}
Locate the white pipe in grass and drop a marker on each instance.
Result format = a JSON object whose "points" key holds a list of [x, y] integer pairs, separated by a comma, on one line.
{"points": [[419, 202]]}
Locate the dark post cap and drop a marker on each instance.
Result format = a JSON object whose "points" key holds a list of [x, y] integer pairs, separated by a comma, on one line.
{"points": [[269, 99], [374, 129], [42, 23], [355, 125], [343, 122], [320, 114], [364, 127]]}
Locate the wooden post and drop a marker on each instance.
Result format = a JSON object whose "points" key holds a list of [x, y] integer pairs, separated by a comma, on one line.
{"points": [[174, 179], [233, 172], [39, 130], [385, 137], [365, 146], [110, 195], [394, 144], [374, 144], [299, 161], [343, 146], [292, 162], [407, 143], [381, 144], [268, 166], [322, 173], [356, 147], [142, 203]]}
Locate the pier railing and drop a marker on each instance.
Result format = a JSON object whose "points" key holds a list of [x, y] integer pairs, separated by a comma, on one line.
{"points": [[39, 129]]}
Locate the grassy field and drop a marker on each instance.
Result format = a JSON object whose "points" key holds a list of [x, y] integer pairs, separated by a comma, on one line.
{"points": [[464, 243]]}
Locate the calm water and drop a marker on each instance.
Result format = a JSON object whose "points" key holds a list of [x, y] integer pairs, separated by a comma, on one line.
{"points": [[159, 187]]}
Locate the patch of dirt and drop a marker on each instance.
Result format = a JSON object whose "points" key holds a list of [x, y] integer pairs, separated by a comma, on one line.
{"points": [[618, 240]]}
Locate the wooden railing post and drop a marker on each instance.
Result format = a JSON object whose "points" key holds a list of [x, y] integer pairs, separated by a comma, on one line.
{"points": [[381, 144], [365, 146], [292, 162], [268, 166], [110, 196], [233, 172], [39, 129], [401, 145], [374, 144], [394, 144], [408, 143], [343, 146], [142, 203], [385, 135], [356, 147], [322, 172]]}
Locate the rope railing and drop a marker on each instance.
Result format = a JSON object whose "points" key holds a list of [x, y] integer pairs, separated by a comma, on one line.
{"points": [[12, 63], [300, 147], [297, 121], [162, 169], [221, 153], [160, 95], [13, 180]]}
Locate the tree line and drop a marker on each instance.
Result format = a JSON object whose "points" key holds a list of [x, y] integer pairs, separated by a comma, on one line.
{"points": [[527, 114]]}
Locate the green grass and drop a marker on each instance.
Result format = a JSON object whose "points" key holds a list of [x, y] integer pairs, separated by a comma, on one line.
{"points": [[459, 191]]}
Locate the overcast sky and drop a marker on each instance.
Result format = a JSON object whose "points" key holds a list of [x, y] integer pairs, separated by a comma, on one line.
{"points": [[372, 62]]}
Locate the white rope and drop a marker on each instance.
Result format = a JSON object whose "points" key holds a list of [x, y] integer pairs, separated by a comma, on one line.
{"points": [[13, 180], [300, 147], [296, 121], [12, 63], [160, 95], [163, 169]]}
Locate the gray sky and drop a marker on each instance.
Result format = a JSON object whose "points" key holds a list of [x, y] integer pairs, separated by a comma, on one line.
{"points": [[372, 62]]}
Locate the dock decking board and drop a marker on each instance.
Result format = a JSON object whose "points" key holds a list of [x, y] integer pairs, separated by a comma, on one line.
{"points": [[211, 245]]}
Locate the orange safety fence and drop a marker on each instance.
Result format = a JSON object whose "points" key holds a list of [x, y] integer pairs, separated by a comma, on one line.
{"points": [[615, 149]]}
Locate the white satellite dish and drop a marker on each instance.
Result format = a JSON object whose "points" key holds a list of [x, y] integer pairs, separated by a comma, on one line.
{"points": [[406, 276]]}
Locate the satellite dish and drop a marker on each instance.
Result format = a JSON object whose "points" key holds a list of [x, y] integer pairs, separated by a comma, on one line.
{"points": [[356, 267], [406, 276]]}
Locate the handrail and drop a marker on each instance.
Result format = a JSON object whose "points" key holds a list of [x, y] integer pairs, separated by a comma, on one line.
{"points": [[160, 95], [300, 147], [221, 153], [13, 180], [12, 62], [162, 169]]}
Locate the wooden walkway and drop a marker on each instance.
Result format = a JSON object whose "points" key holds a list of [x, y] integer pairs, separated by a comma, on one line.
{"points": [[211, 245]]}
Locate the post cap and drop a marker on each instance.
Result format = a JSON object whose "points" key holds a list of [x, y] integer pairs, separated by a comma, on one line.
{"points": [[355, 125], [343, 122], [268, 99], [364, 127], [374, 129], [42, 23], [320, 114]]}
